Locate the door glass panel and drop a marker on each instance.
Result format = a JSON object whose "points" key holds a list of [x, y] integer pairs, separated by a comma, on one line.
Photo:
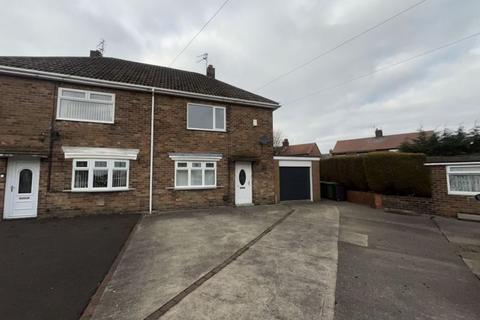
{"points": [[25, 181], [242, 177]]}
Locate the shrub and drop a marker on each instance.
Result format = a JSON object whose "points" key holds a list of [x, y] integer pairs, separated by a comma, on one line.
{"points": [[381, 172], [397, 173], [328, 170], [351, 172]]}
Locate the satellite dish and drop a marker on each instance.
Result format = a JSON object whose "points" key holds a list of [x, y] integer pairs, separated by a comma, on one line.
{"points": [[477, 197], [263, 140]]}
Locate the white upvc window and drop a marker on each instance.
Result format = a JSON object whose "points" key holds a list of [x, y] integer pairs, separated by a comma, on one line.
{"points": [[100, 175], [205, 117], [86, 106], [195, 174], [463, 180]]}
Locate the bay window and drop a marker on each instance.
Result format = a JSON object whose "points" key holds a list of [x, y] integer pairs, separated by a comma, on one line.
{"points": [[463, 180]]}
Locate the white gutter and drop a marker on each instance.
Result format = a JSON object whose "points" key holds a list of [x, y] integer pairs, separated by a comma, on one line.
{"points": [[292, 158], [452, 163], [128, 86], [152, 124]]}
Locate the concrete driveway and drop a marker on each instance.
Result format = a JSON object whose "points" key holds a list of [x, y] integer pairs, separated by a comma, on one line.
{"points": [[405, 267], [266, 262]]}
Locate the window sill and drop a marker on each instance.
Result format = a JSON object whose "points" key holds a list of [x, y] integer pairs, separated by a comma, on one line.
{"points": [[86, 121], [193, 188], [208, 130], [464, 194], [98, 191]]}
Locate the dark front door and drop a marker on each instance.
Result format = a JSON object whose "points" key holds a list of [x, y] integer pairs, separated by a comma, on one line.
{"points": [[294, 183]]}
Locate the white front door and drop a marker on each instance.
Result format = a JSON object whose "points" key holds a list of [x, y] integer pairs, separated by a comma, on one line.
{"points": [[243, 183], [21, 189]]}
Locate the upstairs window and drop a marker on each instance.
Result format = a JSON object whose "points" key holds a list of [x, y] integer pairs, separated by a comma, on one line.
{"points": [[463, 180], [87, 106], [203, 117]]}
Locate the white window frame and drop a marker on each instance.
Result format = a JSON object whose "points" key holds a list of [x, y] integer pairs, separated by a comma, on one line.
{"points": [[86, 99], [214, 124], [91, 167], [449, 172], [189, 168]]}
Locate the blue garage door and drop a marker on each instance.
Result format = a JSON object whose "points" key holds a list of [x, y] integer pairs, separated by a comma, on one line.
{"points": [[294, 183]]}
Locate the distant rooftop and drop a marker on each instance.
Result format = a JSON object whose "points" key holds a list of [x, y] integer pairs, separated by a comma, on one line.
{"points": [[298, 150], [378, 143]]}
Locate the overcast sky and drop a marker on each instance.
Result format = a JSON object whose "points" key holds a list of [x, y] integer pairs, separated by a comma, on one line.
{"points": [[251, 42]]}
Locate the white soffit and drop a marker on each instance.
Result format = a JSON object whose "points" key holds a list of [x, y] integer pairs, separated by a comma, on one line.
{"points": [[99, 153]]}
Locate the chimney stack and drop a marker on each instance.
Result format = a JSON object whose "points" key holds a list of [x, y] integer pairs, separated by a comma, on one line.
{"points": [[285, 142], [95, 54], [210, 72], [378, 133]]}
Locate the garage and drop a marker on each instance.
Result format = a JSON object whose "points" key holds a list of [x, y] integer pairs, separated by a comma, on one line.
{"points": [[296, 178], [294, 183]]}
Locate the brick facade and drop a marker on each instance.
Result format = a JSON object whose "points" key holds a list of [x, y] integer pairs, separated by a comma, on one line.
{"points": [[28, 108], [441, 203], [449, 205]]}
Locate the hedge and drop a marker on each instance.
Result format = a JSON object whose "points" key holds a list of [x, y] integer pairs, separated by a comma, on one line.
{"points": [[381, 172], [397, 173], [351, 173]]}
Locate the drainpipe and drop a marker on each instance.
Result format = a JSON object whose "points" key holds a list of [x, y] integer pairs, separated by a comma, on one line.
{"points": [[152, 121]]}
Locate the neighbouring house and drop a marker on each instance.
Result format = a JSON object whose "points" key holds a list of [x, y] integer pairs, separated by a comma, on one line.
{"points": [[86, 135], [455, 183], [378, 143], [297, 172]]}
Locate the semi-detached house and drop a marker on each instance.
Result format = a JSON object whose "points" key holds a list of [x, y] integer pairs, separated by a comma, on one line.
{"points": [[84, 135]]}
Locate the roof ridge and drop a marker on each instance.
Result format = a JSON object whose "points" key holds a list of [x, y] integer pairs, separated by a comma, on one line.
{"points": [[134, 72]]}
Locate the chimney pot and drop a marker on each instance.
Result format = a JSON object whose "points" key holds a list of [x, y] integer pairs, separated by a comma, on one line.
{"points": [[210, 72], [285, 142], [378, 133], [95, 54]]}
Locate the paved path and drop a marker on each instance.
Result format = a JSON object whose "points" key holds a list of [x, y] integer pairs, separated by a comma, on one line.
{"points": [[401, 267], [289, 271], [465, 238]]}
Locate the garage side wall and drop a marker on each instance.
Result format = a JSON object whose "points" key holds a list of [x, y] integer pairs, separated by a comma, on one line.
{"points": [[316, 180], [276, 170]]}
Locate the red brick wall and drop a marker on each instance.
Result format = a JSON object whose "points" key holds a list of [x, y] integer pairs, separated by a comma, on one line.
{"points": [[449, 205], [416, 204], [371, 199], [25, 114], [29, 113]]}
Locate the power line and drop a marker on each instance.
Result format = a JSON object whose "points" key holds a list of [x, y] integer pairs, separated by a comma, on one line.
{"points": [[199, 31], [341, 44], [384, 68]]}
